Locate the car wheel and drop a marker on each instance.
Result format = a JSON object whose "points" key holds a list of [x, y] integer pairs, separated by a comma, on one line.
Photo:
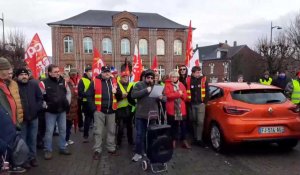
{"points": [[216, 138], [288, 144]]}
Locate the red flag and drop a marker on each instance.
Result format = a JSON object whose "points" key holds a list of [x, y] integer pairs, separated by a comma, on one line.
{"points": [[97, 63], [36, 49], [137, 65], [189, 46], [154, 64], [127, 70], [32, 66]]}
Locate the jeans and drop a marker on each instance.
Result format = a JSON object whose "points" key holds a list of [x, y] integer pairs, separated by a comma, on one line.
{"points": [[29, 130], [88, 118], [68, 129], [51, 120], [141, 127]]}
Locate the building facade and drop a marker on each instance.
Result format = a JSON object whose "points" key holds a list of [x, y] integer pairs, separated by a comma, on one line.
{"points": [[115, 35], [222, 62]]}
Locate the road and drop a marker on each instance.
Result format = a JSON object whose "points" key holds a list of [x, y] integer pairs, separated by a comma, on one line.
{"points": [[251, 159]]}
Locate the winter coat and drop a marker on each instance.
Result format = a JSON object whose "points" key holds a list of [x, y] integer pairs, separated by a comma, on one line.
{"points": [[31, 98], [172, 95], [14, 90], [144, 104], [74, 102]]}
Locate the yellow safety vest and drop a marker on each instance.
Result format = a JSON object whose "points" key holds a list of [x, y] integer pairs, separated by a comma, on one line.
{"points": [[295, 98], [124, 102], [86, 83], [266, 82]]}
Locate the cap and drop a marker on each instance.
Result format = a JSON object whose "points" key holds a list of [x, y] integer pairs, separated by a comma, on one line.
{"points": [[22, 70], [87, 69], [105, 69], [4, 64], [73, 71], [149, 72]]}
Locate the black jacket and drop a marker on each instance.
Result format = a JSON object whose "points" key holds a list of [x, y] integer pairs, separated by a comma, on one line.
{"points": [[196, 91], [31, 98], [107, 97], [55, 96]]}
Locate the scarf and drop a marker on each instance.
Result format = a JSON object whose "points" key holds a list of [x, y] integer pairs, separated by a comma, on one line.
{"points": [[11, 101], [177, 103]]}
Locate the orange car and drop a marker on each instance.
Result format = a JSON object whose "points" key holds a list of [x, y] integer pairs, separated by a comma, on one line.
{"points": [[241, 112]]}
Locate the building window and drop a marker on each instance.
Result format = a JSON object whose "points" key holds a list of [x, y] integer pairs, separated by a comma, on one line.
{"points": [[68, 44], [106, 46], [160, 47], [177, 47], [211, 65], [87, 45], [225, 64], [143, 47], [213, 80], [125, 46], [67, 68]]}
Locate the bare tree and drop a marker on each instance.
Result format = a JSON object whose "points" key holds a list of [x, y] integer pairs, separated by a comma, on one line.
{"points": [[279, 55], [14, 49]]}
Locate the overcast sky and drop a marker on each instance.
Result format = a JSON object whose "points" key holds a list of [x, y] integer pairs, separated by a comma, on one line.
{"points": [[215, 21]]}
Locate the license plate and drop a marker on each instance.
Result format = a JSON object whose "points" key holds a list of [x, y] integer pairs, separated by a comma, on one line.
{"points": [[271, 130]]}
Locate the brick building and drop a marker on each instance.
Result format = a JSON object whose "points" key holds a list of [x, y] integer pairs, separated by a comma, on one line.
{"points": [[115, 34], [222, 61]]}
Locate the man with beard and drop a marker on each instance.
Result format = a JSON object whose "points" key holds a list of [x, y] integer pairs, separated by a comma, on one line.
{"points": [[57, 97], [145, 104], [32, 100]]}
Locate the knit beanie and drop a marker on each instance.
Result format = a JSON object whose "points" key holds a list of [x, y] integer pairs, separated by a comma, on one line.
{"points": [[4, 64]]}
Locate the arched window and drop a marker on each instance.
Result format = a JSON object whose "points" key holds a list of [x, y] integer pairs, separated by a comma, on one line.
{"points": [[106, 46], [68, 44], [177, 47], [87, 45], [125, 46], [160, 47], [143, 47]]}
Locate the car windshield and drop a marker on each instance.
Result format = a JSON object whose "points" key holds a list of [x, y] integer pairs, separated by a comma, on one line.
{"points": [[259, 96]]}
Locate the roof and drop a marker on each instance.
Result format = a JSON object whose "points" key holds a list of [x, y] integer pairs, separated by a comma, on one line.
{"points": [[210, 52], [243, 86], [103, 18]]}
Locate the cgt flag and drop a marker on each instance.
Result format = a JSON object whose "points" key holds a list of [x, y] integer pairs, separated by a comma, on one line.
{"points": [[36, 57], [137, 65], [189, 46], [154, 64], [97, 63]]}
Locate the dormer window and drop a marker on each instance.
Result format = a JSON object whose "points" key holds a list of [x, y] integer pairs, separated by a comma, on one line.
{"points": [[218, 54]]}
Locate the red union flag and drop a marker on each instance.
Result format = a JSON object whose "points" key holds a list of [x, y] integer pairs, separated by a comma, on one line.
{"points": [[154, 64], [97, 63], [189, 46], [137, 65], [36, 57]]}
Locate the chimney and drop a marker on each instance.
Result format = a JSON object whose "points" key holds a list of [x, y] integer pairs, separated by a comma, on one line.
{"points": [[234, 43], [225, 41]]}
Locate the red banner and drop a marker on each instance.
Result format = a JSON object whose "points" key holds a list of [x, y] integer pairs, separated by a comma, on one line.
{"points": [[137, 65], [189, 46], [36, 57], [97, 63], [154, 64]]}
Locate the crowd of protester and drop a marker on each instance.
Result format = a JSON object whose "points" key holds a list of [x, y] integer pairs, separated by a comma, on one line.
{"points": [[32, 110]]}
